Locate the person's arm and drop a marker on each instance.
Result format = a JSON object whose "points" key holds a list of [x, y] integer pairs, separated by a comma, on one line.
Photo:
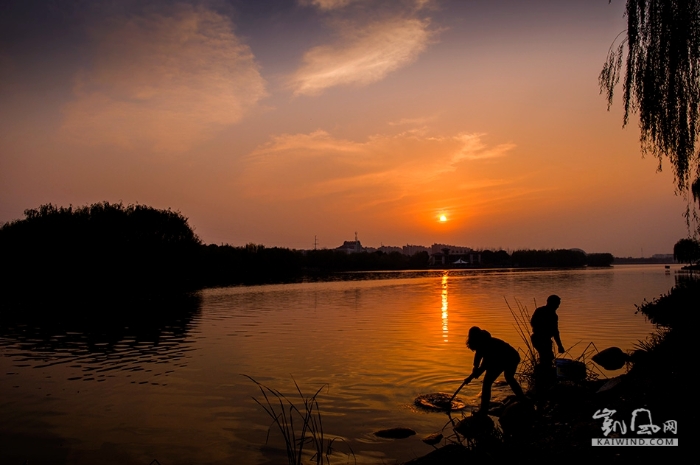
{"points": [[557, 339], [478, 366]]}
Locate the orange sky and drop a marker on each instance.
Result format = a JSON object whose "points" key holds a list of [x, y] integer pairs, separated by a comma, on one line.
{"points": [[274, 122]]}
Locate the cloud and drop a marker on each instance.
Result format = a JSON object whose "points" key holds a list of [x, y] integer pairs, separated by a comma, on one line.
{"points": [[327, 4], [363, 56], [412, 121], [408, 170], [330, 5], [163, 82], [473, 148]]}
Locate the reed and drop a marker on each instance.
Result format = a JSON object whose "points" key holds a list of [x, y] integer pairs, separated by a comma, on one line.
{"points": [[521, 317], [300, 426], [651, 342]]}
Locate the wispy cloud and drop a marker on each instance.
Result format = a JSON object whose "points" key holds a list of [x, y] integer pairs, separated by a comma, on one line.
{"points": [[473, 148], [405, 168], [363, 55], [163, 82], [327, 4], [419, 122]]}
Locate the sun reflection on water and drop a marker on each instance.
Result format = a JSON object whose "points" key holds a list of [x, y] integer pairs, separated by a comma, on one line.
{"points": [[444, 308]]}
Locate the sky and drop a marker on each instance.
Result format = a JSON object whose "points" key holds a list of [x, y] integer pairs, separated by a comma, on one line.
{"points": [[284, 122]]}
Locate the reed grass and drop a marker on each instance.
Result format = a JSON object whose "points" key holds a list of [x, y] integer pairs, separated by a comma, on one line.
{"points": [[652, 341], [526, 373], [299, 426]]}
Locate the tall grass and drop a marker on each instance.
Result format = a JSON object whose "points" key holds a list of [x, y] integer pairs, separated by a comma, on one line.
{"points": [[300, 426], [521, 316], [527, 371]]}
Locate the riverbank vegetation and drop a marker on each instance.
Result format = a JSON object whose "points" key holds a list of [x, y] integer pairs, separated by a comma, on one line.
{"points": [[102, 249], [304, 439], [126, 251]]}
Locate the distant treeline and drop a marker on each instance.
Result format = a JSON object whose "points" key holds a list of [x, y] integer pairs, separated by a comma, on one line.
{"points": [[559, 258], [115, 250], [225, 264]]}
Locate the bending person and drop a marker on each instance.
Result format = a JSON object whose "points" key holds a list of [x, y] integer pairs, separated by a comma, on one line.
{"points": [[545, 327], [494, 357]]}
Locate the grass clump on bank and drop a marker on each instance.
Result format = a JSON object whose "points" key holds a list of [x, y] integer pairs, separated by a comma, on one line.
{"points": [[299, 426]]}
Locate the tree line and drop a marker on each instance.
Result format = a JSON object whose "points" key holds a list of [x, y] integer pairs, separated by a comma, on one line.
{"points": [[111, 249]]}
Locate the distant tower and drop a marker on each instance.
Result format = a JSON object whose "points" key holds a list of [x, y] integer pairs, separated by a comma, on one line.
{"points": [[315, 242]]}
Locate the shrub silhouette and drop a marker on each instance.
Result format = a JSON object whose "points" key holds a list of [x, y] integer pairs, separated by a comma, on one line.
{"points": [[98, 248]]}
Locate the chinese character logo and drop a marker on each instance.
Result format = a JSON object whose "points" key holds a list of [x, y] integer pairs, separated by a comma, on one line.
{"points": [[641, 422]]}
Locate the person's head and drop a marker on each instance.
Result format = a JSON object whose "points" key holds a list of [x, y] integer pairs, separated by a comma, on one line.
{"points": [[553, 301], [476, 337]]}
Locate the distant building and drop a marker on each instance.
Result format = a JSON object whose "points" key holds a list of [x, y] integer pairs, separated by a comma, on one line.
{"points": [[453, 249], [390, 249], [414, 249], [351, 247], [453, 255], [442, 255]]}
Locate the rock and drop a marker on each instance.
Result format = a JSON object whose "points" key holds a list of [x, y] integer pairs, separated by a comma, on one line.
{"points": [[496, 408], [610, 384], [517, 418], [395, 433], [432, 439], [612, 358]]}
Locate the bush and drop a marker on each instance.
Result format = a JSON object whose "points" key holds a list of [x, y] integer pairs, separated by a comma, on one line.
{"points": [[97, 249]]}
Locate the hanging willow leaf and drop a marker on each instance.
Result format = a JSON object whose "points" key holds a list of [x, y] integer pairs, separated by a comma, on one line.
{"points": [[661, 81]]}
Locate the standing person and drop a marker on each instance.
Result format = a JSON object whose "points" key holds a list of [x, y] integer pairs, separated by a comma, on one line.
{"points": [[493, 356], [545, 326]]}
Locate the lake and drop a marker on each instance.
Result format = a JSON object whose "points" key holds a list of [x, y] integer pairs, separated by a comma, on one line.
{"points": [[133, 389]]}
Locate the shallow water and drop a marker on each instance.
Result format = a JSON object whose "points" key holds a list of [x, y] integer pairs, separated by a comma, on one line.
{"points": [[77, 392]]}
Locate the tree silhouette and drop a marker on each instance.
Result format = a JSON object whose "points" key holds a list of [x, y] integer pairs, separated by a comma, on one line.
{"points": [[687, 251], [661, 83]]}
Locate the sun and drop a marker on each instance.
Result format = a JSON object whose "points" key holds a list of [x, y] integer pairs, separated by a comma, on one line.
{"points": [[443, 218]]}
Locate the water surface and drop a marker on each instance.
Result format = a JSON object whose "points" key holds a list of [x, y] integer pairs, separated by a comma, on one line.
{"points": [[171, 389]]}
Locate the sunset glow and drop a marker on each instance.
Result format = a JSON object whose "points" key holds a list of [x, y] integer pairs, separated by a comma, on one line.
{"points": [[277, 122]]}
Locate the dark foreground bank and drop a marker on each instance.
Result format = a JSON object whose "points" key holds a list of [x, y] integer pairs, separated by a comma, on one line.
{"points": [[654, 401]]}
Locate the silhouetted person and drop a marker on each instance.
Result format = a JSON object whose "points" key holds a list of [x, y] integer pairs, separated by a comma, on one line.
{"points": [[545, 327], [493, 356]]}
